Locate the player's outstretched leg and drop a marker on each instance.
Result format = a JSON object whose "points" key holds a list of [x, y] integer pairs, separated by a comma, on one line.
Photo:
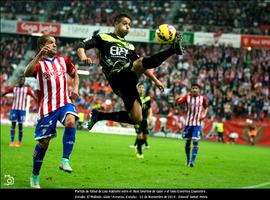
{"points": [[194, 153], [93, 119], [177, 44]]}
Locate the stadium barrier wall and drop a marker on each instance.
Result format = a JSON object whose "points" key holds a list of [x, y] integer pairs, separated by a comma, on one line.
{"points": [[173, 126]]}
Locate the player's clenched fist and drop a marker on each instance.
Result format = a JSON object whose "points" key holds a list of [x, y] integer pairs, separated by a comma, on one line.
{"points": [[87, 61]]}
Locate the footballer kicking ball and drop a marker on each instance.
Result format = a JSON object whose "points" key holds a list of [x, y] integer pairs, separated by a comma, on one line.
{"points": [[165, 34]]}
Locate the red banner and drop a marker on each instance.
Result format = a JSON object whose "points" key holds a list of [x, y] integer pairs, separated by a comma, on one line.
{"points": [[240, 128], [38, 27], [236, 127], [255, 41]]}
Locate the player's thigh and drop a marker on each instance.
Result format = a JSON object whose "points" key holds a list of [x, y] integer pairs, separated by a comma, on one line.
{"points": [[46, 126], [14, 115], [136, 112], [125, 86], [21, 116], [68, 115], [138, 67], [196, 130], [187, 134]]}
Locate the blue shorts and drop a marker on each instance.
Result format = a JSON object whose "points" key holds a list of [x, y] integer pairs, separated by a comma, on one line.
{"points": [[17, 116], [46, 125], [192, 132]]}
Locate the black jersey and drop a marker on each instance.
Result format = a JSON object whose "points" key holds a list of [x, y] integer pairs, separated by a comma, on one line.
{"points": [[112, 49], [146, 105]]}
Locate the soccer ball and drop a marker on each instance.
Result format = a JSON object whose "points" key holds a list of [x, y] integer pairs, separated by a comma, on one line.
{"points": [[165, 34]]}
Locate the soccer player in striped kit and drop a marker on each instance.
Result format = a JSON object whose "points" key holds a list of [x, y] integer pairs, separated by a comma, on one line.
{"points": [[196, 110], [18, 110], [55, 102]]}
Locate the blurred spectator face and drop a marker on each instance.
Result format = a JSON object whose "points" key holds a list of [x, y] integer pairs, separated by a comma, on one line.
{"points": [[195, 90], [122, 28]]}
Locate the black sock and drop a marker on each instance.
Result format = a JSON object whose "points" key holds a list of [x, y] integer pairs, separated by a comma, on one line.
{"points": [[145, 142], [139, 146], [136, 142], [156, 59], [121, 116]]}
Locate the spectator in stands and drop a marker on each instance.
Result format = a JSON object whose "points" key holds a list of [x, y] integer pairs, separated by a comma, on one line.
{"points": [[252, 133]]}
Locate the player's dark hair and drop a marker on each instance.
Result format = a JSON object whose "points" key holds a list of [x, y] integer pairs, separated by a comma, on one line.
{"points": [[42, 41], [118, 18], [195, 84], [139, 84]]}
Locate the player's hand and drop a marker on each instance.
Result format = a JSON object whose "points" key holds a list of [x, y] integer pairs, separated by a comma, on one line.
{"points": [[45, 50], [160, 86], [202, 117], [87, 61], [177, 97], [74, 94]]}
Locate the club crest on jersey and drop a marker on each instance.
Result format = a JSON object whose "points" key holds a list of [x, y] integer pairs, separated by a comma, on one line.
{"points": [[50, 74]]}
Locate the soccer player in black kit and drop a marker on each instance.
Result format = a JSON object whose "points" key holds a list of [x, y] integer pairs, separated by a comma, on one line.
{"points": [[142, 128], [123, 67]]}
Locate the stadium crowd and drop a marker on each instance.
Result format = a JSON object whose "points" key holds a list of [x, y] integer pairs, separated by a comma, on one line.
{"points": [[208, 16], [236, 81]]}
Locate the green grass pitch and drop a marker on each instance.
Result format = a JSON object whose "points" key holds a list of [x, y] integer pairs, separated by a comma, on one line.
{"points": [[106, 161]]}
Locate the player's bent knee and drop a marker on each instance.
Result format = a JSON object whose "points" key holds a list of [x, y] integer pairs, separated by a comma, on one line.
{"points": [[70, 121], [70, 124], [138, 66], [137, 119], [44, 143], [140, 136]]}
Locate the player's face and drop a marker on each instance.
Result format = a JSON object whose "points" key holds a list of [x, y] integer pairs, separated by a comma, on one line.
{"points": [[21, 83], [141, 90], [122, 28], [195, 90], [52, 43]]}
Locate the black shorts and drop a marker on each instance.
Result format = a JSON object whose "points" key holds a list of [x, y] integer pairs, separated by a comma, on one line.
{"points": [[124, 84], [220, 134], [142, 128]]}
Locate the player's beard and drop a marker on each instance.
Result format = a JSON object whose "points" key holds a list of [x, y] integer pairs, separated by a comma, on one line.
{"points": [[51, 53], [123, 33]]}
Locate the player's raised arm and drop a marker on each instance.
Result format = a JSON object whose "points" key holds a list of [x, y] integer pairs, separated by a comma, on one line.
{"points": [[83, 57], [157, 82], [82, 46], [29, 70], [75, 91]]}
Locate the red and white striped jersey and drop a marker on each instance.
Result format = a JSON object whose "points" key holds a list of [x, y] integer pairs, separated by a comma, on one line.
{"points": [[19, 96], [52, 83], [194, 108]]}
